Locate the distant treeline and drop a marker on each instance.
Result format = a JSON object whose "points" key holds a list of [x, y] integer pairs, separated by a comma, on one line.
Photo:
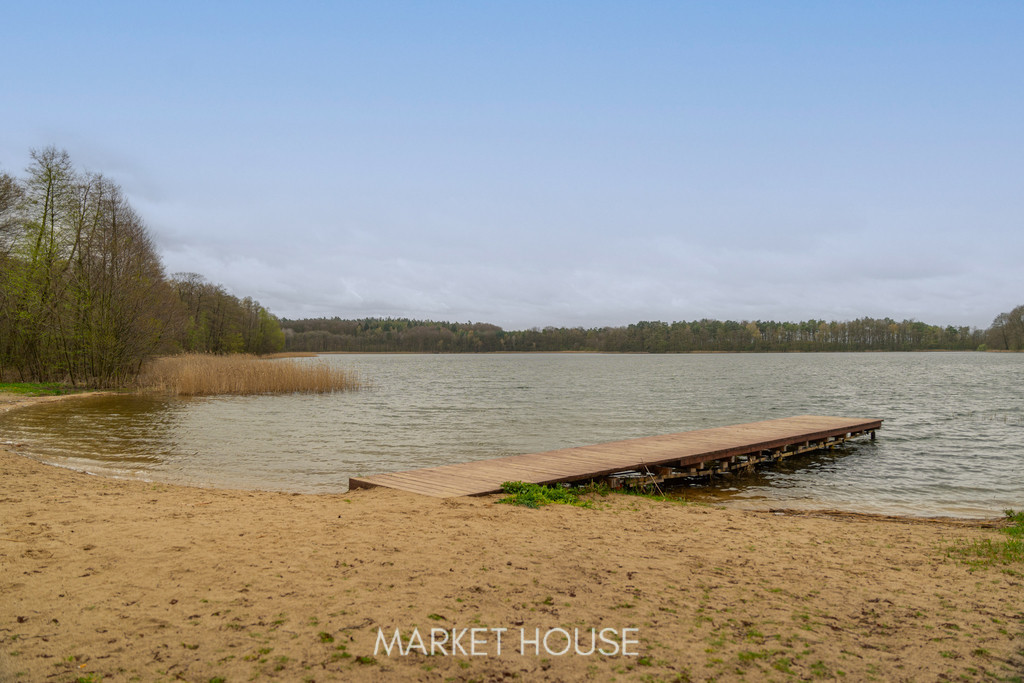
{"points": [[83, 294], [864, 334]]}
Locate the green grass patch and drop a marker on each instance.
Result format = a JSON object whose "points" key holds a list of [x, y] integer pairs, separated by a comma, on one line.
{"points": [[1016, 527], [988, 552], [749, 656], [535, 495], [35, 388], [538, 495]]}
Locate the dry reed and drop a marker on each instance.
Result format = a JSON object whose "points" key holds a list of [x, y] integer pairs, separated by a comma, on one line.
{"points": [[289, 354], [197, 374]]}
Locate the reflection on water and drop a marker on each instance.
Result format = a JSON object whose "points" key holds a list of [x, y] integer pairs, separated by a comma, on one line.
{"points": [[952, 442]]}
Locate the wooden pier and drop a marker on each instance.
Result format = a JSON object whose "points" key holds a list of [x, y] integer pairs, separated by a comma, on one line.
{"points": [[701, 452]]}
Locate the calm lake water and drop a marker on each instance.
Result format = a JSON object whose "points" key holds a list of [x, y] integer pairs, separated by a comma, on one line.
{"points": [[952, 442]]}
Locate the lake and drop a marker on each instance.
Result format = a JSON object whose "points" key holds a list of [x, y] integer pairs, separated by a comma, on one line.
{"points": [[952, 442]]}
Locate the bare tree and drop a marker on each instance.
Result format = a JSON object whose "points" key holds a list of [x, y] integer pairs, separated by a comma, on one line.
{"points": [[83, 294], [12, 201]]}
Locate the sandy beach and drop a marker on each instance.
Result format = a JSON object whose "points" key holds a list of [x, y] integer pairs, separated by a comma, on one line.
{"points": [[126, 580]]}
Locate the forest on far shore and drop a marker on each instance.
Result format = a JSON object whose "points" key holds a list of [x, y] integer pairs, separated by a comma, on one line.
{"points": [[699, 336]]}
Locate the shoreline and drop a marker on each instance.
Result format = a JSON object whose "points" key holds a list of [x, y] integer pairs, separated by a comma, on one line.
{"points": [[9, 401], [117, 579]]}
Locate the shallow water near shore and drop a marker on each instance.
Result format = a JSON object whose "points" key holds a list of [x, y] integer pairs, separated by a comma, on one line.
{"points": [[952, 441]]}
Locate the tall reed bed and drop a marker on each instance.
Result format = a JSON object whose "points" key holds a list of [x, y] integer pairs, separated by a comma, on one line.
{"points": [[198, 374]]}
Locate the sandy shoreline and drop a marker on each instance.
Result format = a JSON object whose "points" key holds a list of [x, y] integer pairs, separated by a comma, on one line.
{"points": [[127, 580]]}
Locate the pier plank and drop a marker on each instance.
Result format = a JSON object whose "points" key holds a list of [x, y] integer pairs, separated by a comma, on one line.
{"points": [[479, 477]]}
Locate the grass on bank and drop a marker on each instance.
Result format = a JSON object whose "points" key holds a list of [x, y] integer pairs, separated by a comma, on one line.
{"points": [[35, 388], [988, 552], [539, 495], [536, 495], [197, 374]]}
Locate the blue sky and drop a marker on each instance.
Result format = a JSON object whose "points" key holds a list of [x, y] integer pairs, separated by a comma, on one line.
{"points": [[538, 163]]}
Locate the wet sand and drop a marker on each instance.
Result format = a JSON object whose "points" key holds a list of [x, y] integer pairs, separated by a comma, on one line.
{"points": [[128, 580]]}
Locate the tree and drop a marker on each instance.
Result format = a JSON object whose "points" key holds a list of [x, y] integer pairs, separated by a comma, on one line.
{"points": [[12, 199], [1007, 331], [218, 322], [83, 297], [125, 307], [34, 283]]}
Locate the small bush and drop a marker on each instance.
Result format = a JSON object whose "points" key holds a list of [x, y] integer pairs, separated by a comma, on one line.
{"points": [[535, 495]]}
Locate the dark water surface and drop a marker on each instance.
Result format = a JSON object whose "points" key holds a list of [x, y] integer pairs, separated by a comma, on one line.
{"points": [[952, 442]]}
